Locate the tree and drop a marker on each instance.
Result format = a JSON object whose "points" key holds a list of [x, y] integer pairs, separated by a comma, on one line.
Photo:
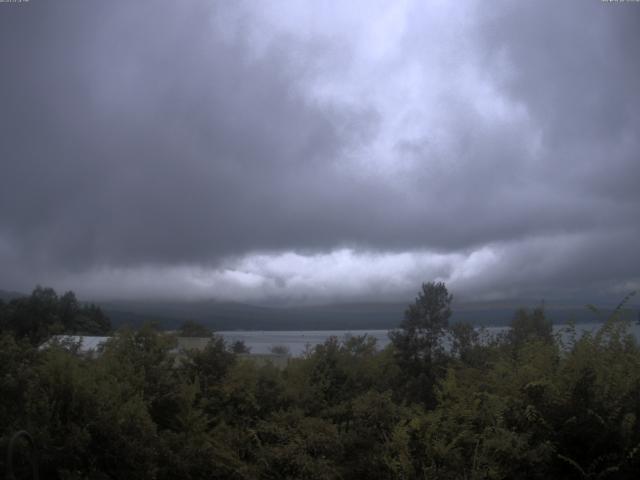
{"points": [[3, 316], [93, 321], [190, 328], [43, 314], [239, 346], [210, 365], [69, 310], [530, 326], [280, 350], [465, 343], [418, 342]]}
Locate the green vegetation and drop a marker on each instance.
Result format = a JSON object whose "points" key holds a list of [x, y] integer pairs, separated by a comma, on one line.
{"points": [[44, 313], [280, 350], [190, 328], [521, 405]]}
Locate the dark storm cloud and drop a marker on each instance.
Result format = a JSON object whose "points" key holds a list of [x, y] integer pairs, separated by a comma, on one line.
{"points": [[139, 134], [574, 66], [135, 132]]}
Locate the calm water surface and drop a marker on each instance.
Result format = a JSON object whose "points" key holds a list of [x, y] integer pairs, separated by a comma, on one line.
{"points": [[298, 341]]}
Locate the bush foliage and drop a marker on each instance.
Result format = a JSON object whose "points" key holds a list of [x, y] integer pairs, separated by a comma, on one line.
{"points": [[525, 404]]}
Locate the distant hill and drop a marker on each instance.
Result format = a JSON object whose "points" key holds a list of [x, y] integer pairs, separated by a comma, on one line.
{"points": [[345, 316], [340, 316], [239, 316], [7, 295], [491, 314]]}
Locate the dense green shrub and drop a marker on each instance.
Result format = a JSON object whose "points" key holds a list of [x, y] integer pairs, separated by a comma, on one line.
{"points": [[524, 405]]}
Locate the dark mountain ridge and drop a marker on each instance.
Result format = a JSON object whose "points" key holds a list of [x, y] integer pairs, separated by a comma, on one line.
{"points": [[338, 316], [344, 316]]}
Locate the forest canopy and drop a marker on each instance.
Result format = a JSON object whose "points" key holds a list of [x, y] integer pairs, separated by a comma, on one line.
{"points": [[440, 401], [43, 313]]}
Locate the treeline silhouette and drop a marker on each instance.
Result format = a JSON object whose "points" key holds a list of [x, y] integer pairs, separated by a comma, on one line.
{"points": [[43, 313], [441, 401]]}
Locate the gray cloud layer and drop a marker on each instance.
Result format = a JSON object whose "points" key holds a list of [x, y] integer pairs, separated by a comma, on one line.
{"points": [[175, 137]]}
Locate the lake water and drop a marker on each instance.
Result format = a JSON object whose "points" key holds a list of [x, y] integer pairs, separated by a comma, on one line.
{"points": [[298, 341]]}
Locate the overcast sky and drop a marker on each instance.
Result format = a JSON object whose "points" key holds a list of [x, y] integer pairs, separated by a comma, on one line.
{"points": [[320, 151]]}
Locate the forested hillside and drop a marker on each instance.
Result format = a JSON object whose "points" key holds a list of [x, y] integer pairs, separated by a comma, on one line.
{"points": [[520, 405]]}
